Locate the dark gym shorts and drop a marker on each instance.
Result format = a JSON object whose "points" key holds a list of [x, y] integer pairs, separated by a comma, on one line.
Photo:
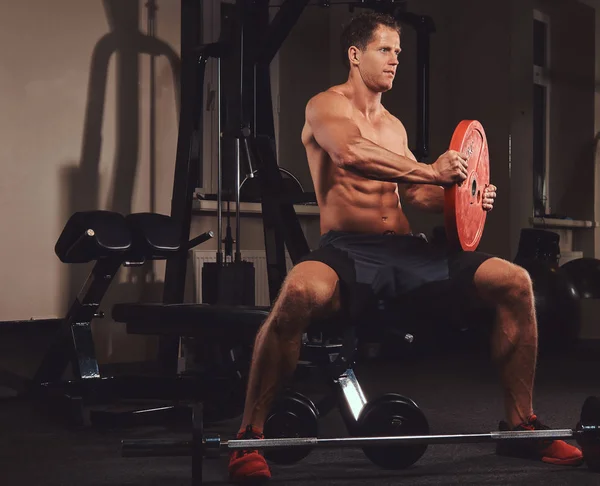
{"points": [[404, 270]]}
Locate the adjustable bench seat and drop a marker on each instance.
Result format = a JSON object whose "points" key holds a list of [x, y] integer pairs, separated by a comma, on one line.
{"points": [[192, 320]]}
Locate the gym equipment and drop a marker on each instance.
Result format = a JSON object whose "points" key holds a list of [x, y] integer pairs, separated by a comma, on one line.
{"points": [[538, 244], [292, 415], [228, 280], [388, 416], [556, 304], [399, 451], [111, 240], [464, 215], [585, 275], [250, 187]]}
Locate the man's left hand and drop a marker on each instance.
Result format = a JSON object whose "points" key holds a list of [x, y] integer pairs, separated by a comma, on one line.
{"points": [[489, 195]]}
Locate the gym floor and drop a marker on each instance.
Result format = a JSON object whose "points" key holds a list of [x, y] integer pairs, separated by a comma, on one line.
{"points": [[457, 391]]}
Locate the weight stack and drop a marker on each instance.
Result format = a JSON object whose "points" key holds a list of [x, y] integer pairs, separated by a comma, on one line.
{"points": [[229, 283]]}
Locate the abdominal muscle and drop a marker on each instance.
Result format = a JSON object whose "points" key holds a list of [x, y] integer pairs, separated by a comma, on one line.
{"points": [[352, 203]]}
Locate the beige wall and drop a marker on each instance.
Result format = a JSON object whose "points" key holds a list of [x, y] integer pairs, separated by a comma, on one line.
{"points": [[66, 146]]}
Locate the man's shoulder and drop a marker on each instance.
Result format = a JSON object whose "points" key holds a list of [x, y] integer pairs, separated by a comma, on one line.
{"points": [[330, 97]]}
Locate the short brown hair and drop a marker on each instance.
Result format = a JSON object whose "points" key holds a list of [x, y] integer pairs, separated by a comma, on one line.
{"points": [[359, 31]]}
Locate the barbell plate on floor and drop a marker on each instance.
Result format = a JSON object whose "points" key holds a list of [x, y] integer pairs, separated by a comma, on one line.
{"points": [[393, 415], [464, 216], [589, 438], [292, 415]]}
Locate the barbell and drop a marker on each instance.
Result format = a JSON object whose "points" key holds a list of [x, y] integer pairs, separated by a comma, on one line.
{"points": [[380, 449]]}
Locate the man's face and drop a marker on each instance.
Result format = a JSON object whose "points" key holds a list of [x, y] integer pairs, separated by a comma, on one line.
{"points": [[379, 60]]}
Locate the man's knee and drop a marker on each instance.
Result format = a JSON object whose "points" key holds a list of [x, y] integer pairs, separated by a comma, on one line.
{"points": [[505, 282], [310, 291], [520, 287], [312, 285]]}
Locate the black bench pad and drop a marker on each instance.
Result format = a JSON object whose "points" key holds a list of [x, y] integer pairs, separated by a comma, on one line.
{"points": [[155, 236], [221, 322], [92, 235]]}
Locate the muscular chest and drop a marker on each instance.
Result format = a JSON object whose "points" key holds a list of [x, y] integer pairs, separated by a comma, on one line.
{"points": [[384, 134]]}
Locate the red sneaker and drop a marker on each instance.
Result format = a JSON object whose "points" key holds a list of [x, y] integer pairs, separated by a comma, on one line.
{"points": [[546, 450], [248, 466]]}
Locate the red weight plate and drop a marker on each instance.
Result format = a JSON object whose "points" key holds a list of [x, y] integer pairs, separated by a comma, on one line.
{"points": [[464, 215]]}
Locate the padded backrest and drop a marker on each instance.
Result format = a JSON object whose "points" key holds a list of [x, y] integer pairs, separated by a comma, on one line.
{"points": [[92, 235], [155, 236]]}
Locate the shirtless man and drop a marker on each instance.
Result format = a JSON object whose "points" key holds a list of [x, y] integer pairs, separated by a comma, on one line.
{"points": [[361, 165]]}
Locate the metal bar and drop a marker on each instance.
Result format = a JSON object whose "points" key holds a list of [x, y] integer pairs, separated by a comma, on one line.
{"points": [[280, 27], [187, 166], [283, 214], [263, 102], [139, 448], [199, 239], [74, 341], [219, 168], [238, 249], [388, 441], [353, 393], [251, 168], [151, 31], [422, 149]]}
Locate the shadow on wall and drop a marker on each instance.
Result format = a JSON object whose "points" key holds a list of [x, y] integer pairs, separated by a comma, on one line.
{"points": [[81, 185]]}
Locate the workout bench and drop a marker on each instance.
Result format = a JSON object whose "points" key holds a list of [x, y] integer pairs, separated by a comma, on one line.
{"points": [[111, 240]]}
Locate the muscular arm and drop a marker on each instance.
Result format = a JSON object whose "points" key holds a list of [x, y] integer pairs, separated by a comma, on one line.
{"points": [[329, 116], [428, 198]]}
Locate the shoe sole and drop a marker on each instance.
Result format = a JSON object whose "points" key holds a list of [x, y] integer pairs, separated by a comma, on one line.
{"points": [[563, 462]]}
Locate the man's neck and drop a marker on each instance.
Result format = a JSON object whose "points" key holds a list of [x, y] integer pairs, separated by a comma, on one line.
{"points": [[365, 100]]}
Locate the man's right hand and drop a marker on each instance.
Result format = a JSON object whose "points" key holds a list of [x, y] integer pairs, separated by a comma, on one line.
{"points": [[450, 168]]}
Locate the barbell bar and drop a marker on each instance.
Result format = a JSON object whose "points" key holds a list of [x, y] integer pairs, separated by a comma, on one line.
{"points": [[213, 445]]}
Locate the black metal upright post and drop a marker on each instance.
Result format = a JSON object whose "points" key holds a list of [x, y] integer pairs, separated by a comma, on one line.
{"points": [[187, 167], [263, 116], [424, 29], [280, 224], [74, 343]]}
